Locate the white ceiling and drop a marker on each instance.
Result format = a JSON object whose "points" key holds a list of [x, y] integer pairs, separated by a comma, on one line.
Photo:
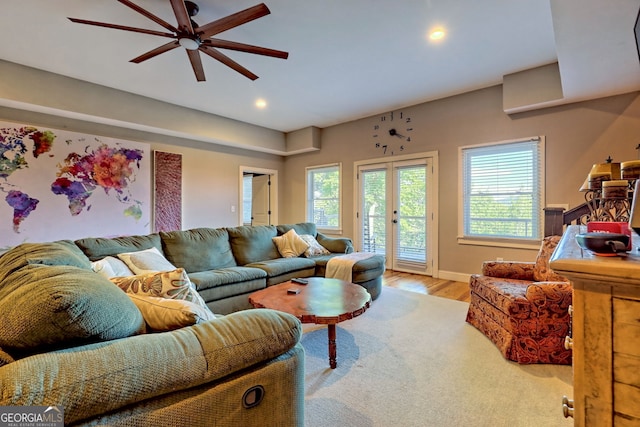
{"points": [[347, 59]]}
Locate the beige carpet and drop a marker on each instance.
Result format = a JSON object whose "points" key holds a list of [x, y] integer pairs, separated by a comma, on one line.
{"points": [[411, 360]]}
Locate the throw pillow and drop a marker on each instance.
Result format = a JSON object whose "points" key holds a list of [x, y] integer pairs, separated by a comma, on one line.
{"points": [[111, 267], [162, 314], [315, 248], [173, 284], [290, 245], [146, 261]]}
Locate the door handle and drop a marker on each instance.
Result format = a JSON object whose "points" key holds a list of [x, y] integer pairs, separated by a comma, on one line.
{"points": [[395, 221]]}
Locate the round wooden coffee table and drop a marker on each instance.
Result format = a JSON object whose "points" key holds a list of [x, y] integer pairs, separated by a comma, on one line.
{"points": [[321, 301]]}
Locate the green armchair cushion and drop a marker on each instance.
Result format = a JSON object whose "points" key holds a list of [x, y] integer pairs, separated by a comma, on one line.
{"points": [[253, 243], [58, 306], [199, 249]]}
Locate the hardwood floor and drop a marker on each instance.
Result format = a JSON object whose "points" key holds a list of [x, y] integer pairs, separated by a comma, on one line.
{"points": [[426, 285]]}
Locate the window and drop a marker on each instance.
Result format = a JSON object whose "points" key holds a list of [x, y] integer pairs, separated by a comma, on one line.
{"points": [[502, 190], [323, 196]]}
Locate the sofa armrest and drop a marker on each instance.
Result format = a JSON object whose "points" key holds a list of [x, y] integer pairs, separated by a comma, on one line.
{"points": [[340, 245], [95, 379], [509, 269]]}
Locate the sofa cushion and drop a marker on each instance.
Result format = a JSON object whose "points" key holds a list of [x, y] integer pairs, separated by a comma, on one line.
{"points": [[199, 249], [301, 228], [290, 244], [99, 247], [62, 252], [253, 243], [282, 266], [542, 272], [146, 261], [163, 314], [57, 306]]}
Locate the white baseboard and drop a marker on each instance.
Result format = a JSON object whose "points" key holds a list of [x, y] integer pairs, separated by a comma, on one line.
{"points": [[452, 275]]}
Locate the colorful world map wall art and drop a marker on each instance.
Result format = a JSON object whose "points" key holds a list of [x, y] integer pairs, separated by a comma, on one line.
{"points": [[56, 184]]}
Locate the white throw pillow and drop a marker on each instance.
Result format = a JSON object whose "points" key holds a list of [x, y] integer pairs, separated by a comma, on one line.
{"points": [[290, 245], [146, 261], [111, 267], [162, 314], [315, 248]]}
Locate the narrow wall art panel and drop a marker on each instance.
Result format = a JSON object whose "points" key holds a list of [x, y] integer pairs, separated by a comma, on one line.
{"points": [[168, 191], [56, 184]]}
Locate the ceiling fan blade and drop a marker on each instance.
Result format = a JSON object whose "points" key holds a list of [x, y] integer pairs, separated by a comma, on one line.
{"points": [[196, 64], [155, 52], [242, 47], [227, 61], [122, 27], [149, 15], [182, 16], [233, 20]]}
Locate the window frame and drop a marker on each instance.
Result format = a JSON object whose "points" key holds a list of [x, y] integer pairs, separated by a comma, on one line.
{"points": [[309, 171], [503, 241]]}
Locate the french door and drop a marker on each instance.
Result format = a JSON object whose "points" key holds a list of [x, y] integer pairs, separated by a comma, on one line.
{"points": [[395, 213]]}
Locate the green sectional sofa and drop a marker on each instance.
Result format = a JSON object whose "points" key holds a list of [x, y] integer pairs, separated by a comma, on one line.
{"points": [[70, 337], [228, 264]]}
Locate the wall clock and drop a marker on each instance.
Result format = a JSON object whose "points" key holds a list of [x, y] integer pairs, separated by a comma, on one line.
{"points": [[392, 132]]}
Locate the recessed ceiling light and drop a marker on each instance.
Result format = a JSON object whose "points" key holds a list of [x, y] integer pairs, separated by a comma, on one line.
{"points": [[261, 103], [437, 34]]}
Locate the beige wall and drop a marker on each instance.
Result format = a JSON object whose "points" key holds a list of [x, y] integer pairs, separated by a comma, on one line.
{"points": [[210, 173], [577, 136]]}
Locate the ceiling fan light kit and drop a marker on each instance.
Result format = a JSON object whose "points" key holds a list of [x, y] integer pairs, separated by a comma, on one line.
{"points": [[196, 38]]}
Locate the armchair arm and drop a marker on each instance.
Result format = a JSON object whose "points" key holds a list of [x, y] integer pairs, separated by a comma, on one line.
{"points": [[550, 297], [340, 245], [509, 269]]}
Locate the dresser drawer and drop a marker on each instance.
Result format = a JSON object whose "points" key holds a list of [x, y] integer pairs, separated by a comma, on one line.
{"points": [[626, 359]]}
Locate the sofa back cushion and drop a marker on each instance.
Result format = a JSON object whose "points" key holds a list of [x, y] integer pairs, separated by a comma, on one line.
{"points": [[61, 252], [99, 247], [253, 243], [542, 272], [301, 228], [46, 307], [199, 249]]}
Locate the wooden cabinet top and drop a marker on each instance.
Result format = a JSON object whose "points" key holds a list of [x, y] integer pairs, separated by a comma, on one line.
{"points": [[570, 260]]}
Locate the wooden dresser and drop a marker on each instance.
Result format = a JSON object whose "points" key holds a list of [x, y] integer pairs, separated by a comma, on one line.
{"points": [[606, 332]]}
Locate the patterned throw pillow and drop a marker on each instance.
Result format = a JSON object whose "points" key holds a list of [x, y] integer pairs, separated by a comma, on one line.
{"points": [[162, 314], [174, 284], [146, 261], [290, 245], [315, 248]]}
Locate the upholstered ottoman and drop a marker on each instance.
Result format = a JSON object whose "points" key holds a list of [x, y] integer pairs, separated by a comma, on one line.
{"points": [[523, 308]]}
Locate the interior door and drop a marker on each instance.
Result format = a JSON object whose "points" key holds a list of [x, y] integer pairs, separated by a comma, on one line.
{"points": [[394, 213], [260, 200]]}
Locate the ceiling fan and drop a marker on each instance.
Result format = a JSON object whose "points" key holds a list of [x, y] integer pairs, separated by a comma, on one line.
{"points": [[195, 38]]}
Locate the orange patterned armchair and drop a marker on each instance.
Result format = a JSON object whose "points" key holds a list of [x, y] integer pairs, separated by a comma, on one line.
{"points": [[523, 308]]}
